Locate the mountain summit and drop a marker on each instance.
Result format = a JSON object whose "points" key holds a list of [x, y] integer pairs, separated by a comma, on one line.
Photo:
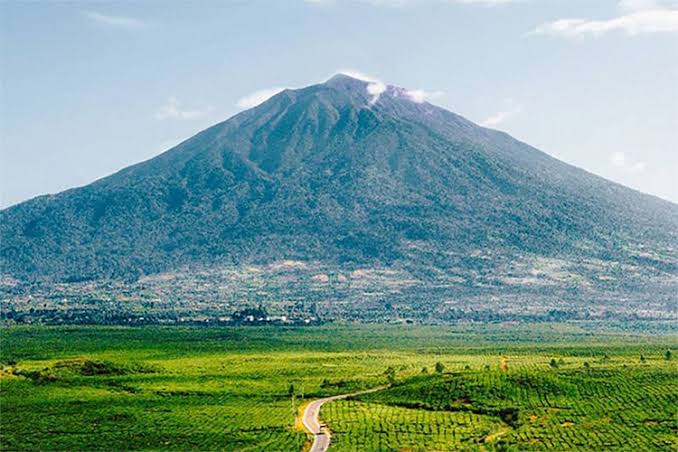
{"points": [[348, 173]]}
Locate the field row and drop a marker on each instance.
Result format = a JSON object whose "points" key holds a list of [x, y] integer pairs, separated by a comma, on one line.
{"points": [[631, 407]]}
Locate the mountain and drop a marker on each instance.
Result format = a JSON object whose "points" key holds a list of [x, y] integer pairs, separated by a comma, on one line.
{"points": [[336, 175]]}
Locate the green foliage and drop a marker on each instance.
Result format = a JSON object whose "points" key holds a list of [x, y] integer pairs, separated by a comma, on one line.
{"points": [[93, 388], [529, 408], [83, 367], [440, 367]]}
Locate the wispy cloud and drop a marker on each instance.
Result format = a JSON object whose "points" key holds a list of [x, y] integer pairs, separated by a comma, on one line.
{"points": [[257, 97], [375, 87], [621, 161], [356, 74], [172, 110], [504, 115], [635, 17], [419, 95], [128, 23]]}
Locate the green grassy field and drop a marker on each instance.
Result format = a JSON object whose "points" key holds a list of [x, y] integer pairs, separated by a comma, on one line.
{"points": [[503, 387]]}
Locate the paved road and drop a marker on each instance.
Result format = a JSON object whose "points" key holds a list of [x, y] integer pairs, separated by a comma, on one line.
{"points": [[321, 436]]}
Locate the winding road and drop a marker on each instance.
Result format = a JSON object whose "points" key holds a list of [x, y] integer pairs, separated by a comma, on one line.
{"points": [[321, 435]]}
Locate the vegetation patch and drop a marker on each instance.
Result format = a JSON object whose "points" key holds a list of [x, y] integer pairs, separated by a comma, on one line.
{"points": [[84, 367], [233, 389]]}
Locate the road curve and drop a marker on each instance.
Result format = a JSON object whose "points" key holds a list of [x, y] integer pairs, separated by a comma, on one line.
{"points": [[321, 436]]}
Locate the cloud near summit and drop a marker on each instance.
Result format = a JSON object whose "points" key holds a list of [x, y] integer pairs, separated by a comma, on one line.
{"points": [[375, 88]]}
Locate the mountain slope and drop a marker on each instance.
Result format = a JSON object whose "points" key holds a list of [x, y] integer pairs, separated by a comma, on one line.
{"points": [[331, 173]]}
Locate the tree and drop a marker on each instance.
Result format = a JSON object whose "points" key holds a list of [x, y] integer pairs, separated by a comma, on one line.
{"points": [[587, 366], [290, 391], [668, 355], [424, 370], [553, 363], [642, 358], [440, 367]]}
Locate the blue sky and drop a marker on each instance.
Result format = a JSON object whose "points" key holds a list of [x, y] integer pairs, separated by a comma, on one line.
{"points": [[88, 88]]}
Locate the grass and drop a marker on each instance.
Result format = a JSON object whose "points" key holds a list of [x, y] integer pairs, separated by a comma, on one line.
{"points": [[109, 388]]}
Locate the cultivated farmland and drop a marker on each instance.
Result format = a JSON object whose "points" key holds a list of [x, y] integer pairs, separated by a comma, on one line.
{"points": [[492, 387]]}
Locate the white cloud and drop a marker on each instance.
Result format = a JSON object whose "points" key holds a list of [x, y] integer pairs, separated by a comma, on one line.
{"points": [[503, 116], [375, 89], [621, 161], [257, 97], [127, 23], [357, 75], [172, 110], [419, 95], [373, 85], [637, 16]]}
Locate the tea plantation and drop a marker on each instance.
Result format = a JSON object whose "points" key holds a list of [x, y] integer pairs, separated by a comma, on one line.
{"points": [[579, 386]]}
